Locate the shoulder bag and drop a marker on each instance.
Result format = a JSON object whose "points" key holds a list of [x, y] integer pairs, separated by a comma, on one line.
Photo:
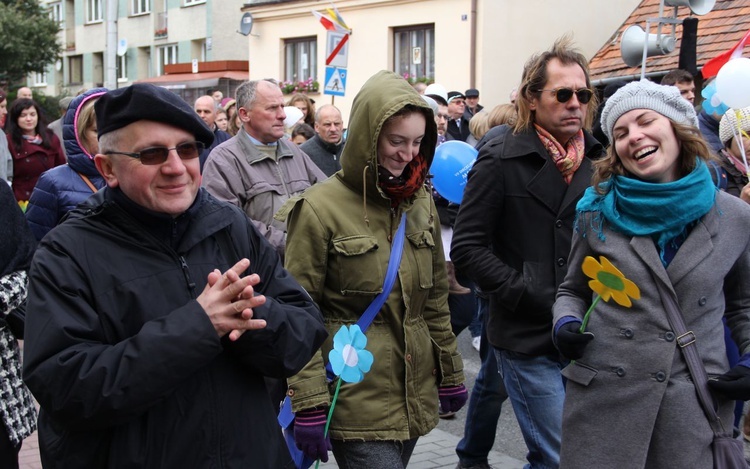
{"points": [[728, 452]]}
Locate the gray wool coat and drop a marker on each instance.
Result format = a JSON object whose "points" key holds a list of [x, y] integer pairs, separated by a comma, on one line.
{"points": [[630, 401]]}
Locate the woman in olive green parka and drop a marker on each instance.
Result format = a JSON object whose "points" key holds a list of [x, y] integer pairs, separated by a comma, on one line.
{"points": [[338, 247]]}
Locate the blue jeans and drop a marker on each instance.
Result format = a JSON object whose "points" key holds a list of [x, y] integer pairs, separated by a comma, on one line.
{"points": [[486, 401], [536, 391]]}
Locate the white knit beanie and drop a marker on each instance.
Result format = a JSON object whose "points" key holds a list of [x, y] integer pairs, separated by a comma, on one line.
{"points": [[728, 124], [645, 94]]}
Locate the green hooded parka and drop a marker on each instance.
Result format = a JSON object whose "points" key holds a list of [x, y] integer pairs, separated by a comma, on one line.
{"points": [[338, 247]]}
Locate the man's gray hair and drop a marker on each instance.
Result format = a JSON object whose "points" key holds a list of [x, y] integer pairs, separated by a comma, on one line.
{"points": [[110, 141], [245, 94]]}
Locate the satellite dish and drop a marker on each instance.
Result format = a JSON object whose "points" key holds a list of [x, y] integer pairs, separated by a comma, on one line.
{"points": [[246, 24], [58, 65], [122, 47]]}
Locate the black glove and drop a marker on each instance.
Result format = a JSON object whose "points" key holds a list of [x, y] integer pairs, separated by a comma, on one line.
{"points": [[734, 384], [570, 342]]}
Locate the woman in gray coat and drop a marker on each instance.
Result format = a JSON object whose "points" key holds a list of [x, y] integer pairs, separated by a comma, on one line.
{"points": [[655, 213]]}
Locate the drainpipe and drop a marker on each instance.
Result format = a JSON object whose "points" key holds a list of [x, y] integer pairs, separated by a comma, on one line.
{"points": [[110, 56], [473, 46]]}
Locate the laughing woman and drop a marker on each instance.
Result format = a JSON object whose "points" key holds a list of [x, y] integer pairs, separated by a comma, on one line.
{"points": [[656, 214], [340, 236]]}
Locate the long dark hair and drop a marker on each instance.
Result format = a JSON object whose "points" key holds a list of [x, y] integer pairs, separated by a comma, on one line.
{"points": [[15, 132]]}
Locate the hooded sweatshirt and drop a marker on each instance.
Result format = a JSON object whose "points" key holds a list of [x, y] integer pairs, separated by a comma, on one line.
{"points": [[338, 247]]}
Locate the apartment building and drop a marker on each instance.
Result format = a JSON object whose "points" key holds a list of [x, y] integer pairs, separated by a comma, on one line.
{"points": [[151, 35], [458, 43]]}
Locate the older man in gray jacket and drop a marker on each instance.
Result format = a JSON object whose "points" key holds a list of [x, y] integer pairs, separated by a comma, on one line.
{"points": [[257, 169], [326, 146]]}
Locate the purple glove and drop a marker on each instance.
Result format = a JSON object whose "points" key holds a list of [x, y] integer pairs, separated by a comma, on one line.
{"points": [[309, 426], [452, 398]]}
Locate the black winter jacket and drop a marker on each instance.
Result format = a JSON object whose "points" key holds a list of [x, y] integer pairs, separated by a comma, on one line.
{"points": [[513, 233], [126, 365]]}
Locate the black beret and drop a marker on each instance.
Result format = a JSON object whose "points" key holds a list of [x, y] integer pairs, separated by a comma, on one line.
{"points": [[472, 93], [143, 101]]}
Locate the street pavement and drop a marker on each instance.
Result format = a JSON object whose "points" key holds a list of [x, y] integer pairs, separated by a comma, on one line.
{"points": [[437, 450]]}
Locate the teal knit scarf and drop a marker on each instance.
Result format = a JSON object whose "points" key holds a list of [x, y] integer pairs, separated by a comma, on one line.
{"points": [[639, 208]]}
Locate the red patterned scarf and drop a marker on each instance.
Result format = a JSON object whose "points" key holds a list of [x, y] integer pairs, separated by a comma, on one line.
{"points": [[566, 159], [402, 187]]}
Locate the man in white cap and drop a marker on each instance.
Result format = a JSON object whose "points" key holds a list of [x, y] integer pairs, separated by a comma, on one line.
{"points": [[458, 126]]}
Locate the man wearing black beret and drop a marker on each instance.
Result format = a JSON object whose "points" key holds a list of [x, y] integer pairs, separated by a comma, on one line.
{"points": [[155, 311]]}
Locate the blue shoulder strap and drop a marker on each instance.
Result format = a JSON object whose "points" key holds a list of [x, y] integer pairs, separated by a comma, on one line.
{"points": [[390, 277]]}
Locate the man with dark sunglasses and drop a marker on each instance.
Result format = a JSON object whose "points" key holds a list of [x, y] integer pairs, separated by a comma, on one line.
{"points": [[155, 311], [513, 234]]}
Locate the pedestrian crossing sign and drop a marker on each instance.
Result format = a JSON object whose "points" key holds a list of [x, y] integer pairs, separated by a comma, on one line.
{"points": [[335, 83]]}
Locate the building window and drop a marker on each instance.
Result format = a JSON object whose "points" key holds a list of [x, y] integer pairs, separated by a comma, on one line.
{"points": [[122, 68], [75, 69], [55, 12], [38, 79], [140, 7], [193, 2], [414, 51], [167, 55], [301, 59], [94, 11]]}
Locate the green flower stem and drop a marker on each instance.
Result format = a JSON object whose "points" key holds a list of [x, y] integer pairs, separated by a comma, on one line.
{"points": [[330, 414], [582, 329]]}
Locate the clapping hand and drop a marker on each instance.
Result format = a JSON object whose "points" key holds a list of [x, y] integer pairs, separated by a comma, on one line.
{"points": [[229, 299]]}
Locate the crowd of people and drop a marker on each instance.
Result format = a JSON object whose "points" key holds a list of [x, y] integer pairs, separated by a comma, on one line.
{"points": [[181, 269]]}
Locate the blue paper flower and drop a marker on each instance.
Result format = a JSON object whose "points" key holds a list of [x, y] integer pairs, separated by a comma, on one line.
{"points": [[349, 359], [712, 103]]}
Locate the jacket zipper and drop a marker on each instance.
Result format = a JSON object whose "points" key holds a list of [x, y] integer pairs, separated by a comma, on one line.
{"points": [[281, 178], [394, 223], [186, 273]]}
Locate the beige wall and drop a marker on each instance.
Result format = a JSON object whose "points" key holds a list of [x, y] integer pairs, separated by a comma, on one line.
{"points": [[512, 30], [508, 32], [186, 23], [228, 44]]}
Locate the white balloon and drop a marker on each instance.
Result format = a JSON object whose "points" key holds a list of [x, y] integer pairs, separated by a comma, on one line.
{"points": [[733, 83]]}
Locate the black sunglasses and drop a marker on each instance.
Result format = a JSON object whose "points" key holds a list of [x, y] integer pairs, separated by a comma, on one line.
{"points": [[158, 155], [563, 95]]}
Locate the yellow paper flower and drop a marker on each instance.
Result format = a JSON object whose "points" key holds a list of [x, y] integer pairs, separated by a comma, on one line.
{"points": [[609, 282]]}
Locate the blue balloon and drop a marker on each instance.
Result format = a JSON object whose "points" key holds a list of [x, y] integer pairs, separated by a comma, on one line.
{"points": [[450, 168]]}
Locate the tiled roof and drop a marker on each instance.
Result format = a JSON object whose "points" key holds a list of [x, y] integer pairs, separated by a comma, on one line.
{"points": [[718, 31]]}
